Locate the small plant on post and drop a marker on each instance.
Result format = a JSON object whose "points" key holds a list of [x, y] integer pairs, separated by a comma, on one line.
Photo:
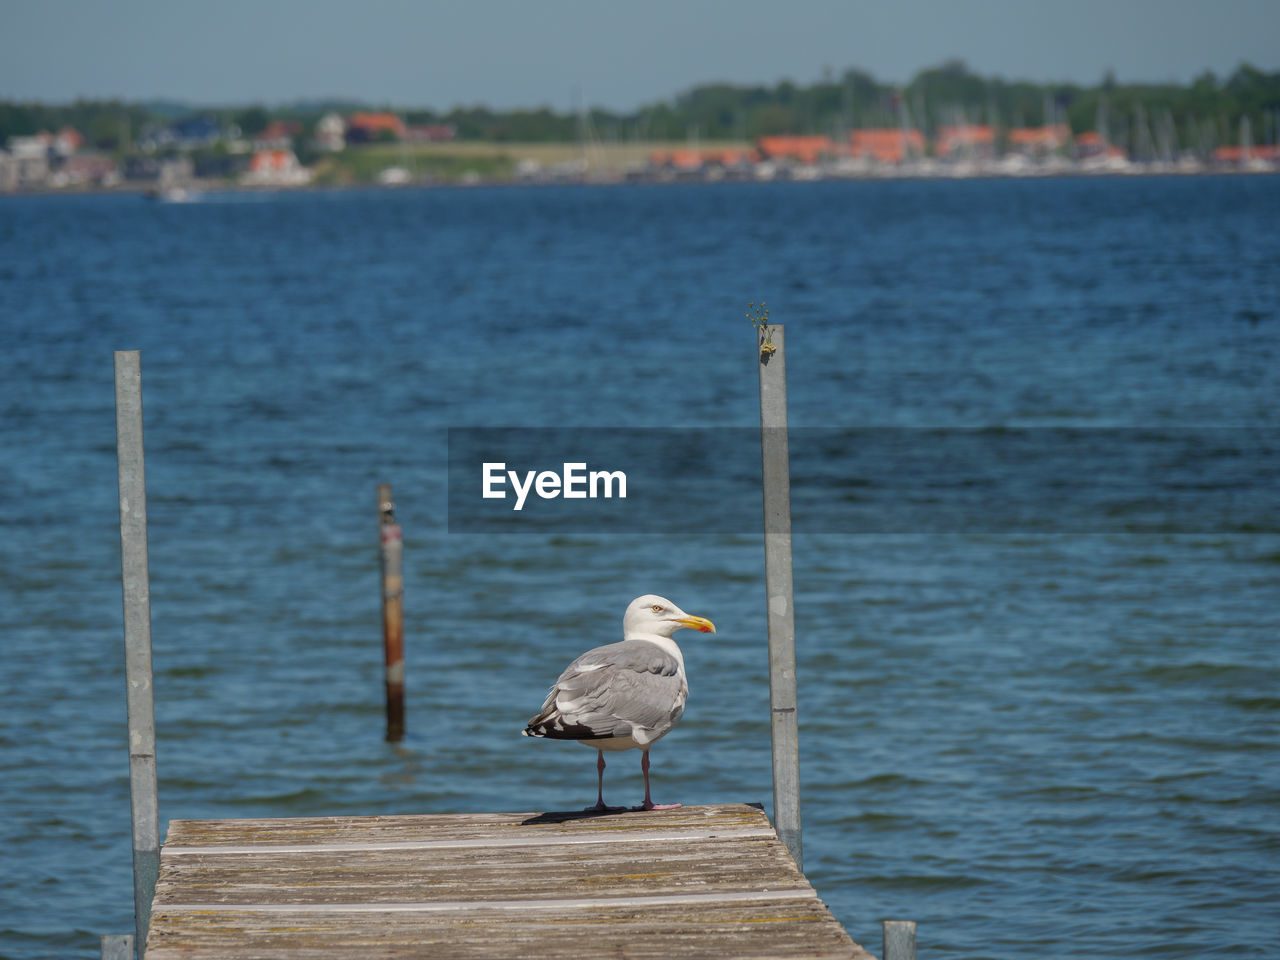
{"points": [[759, 317]]}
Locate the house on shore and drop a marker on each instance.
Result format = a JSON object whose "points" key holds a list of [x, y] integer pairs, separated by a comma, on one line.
{"points": [[372, 127], [275, 168], [967, 141], [887, 146], [331, 133]]}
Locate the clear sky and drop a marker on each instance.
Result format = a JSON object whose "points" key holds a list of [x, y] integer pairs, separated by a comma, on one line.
{"points": [[511, 53]]}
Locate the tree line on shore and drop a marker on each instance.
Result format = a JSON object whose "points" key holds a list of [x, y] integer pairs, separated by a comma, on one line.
{"points": [[1208, 111]]}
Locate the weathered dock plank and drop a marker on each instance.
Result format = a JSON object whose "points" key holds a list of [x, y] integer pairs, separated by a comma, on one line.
{"points": [[710, 881], [488, 827], [796, 928]]}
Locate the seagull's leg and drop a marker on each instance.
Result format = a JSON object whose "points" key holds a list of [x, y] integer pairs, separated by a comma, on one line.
{"points": [[600, 805], [600, 785], [649, 804]]}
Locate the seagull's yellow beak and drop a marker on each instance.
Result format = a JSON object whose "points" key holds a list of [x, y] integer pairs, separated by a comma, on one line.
{"points": [[701, 624]]}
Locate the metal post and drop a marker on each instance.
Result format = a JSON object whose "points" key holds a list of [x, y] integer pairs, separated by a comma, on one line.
{"points": [[139, 693], [899, 940], [392, 541], [117, 946], [778, 587]]}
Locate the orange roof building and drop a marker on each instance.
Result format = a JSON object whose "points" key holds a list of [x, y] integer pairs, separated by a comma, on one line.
{"points": [[679, 159], [68, 140], [979, 138], [728, 157], [800, 149], [272, 161], [371, 126], [275, 168], [1040, 139], [1244, 155], [1091, 144], [281, 130], [886, 144], [690, 159]]}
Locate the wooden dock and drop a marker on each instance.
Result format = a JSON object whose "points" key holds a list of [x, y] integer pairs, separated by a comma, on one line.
{"points": [[703, 881]]}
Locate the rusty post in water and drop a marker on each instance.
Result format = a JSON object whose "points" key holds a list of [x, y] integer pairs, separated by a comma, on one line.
{"points": [[392, 610]]}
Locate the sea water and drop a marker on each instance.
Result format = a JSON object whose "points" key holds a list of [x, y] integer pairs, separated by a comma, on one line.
{"points": [[1036, 738]]}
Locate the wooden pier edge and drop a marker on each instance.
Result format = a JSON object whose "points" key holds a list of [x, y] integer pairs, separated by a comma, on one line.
{"points": [[694, 882]]}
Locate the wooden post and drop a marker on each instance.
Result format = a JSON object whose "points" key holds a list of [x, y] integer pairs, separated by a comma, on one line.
{"points": [[778, 588], [117, 946], [392, 541], [139, 693], [899, 940]]}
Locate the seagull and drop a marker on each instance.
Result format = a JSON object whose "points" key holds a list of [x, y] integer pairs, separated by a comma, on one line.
{"points": [[625, 695]]}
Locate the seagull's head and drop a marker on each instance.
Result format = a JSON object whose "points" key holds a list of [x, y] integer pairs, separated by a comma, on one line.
{"points": [[658, 615]]}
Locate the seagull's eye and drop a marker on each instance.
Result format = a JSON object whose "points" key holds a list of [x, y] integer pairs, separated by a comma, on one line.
{"points": [[657, 608]]}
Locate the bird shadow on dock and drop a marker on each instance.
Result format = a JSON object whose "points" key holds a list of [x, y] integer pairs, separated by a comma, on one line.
{"points": [[567, 816]]}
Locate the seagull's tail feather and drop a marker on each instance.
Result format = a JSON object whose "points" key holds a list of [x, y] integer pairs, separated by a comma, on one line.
{"points": [[553, 724], [545, 720]]}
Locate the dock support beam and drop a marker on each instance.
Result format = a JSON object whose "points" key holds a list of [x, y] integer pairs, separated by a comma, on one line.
{"points": [[392, 545], [778, 588], [117, 946], [139, 693], [899, 940]]}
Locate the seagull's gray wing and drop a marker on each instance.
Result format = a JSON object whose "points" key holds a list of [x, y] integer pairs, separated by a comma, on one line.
{"points": [[614, 691]]}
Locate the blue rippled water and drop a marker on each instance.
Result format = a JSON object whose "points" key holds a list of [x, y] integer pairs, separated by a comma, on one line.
{"points": [[1036, 744]]}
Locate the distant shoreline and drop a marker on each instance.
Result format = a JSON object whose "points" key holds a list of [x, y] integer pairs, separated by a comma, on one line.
{"points": [[396, 164], [199, 189]]}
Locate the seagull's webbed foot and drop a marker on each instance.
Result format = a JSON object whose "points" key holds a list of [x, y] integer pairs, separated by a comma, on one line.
{"points": [[650, 805]]}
